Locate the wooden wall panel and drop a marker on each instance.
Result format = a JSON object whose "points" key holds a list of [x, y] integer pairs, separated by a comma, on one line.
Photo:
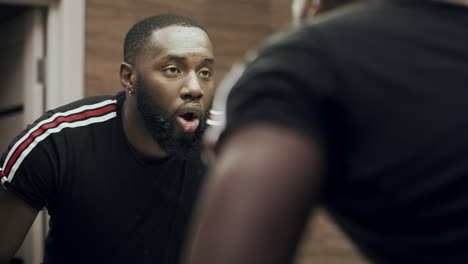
{"points": [[325, 243], [280, 15], [234, 27]]}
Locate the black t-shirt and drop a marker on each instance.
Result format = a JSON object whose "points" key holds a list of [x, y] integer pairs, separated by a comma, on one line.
{"points": [[383, 87], [106, 205]]}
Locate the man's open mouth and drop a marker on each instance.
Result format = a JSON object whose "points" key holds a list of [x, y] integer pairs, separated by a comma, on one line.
{"points": [[189, 116], [189, 119]]}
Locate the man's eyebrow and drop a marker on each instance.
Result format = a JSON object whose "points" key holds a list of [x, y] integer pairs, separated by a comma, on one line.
{"points": [[182, 59], [175, 58], [208, 61]]}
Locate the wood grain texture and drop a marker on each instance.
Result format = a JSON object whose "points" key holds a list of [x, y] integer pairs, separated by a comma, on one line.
{"points": [[324, 243]]}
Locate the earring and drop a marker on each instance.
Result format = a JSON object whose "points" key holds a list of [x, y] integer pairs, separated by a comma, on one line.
{"points": [[130, 92]]}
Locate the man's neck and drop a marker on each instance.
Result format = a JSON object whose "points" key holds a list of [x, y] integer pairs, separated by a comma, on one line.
{"points": [[136, 132]]}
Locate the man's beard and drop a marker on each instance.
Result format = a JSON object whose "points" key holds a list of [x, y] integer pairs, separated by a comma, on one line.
{"points": [[162, 125]]}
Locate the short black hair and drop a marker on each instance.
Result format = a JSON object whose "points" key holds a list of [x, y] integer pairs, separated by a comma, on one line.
{"points": [[138, 35]]}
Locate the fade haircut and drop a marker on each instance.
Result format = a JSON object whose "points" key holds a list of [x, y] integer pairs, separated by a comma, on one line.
{"points": [[137, 37]]}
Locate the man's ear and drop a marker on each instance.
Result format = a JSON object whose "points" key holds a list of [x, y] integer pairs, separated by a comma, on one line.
{"points": [[127, 77], [313, 7], [303, 10]]}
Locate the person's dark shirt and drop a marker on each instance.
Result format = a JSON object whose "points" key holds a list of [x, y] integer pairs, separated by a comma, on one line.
{"points": [[383, 89], [106, 204]]}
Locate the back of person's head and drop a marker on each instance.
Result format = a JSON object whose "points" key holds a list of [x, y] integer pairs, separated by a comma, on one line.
{"points": [[137, 36], [305, 9]]}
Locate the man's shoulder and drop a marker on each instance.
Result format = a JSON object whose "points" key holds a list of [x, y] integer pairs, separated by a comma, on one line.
{"points": [[70, 119], [88, 103], [83, 112], [357, 14], [346, 23]]}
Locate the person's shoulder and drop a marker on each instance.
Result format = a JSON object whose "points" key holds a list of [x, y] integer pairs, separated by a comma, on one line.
{"points": [[88, 103], [311, 34], [83, 113], [344, 27], [354, 14]]}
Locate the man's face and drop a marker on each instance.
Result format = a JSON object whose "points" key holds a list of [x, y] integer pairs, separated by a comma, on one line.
{"points": [[174, 87]]}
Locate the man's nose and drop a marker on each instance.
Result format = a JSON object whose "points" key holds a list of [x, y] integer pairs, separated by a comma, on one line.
{"points": [[192, 88]]}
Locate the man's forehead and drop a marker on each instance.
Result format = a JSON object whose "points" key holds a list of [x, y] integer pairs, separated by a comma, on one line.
{"points": [[180, 36], [178, 41]]}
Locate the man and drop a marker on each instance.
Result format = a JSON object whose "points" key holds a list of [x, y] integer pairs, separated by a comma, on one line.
{"points": [[363, 111], [118, 174]]}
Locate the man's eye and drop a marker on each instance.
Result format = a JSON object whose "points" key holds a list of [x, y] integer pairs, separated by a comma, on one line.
{"points": [[205, 73], [171, 70]]}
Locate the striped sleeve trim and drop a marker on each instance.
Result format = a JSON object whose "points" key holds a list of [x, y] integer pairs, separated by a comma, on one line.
{"points": [[78, 117]]}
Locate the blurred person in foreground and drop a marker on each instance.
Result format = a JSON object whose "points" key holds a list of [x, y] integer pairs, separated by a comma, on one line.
{"points": [[362, 111], [301, 12], [118, 174]]}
